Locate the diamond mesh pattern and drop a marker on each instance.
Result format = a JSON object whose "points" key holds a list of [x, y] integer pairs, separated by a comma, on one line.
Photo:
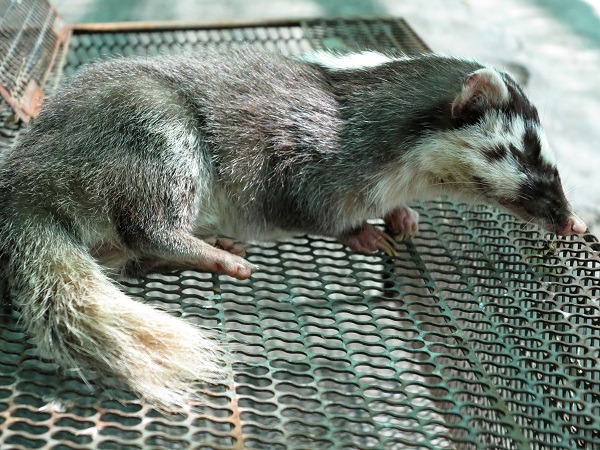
{"points": [[480, 335]]}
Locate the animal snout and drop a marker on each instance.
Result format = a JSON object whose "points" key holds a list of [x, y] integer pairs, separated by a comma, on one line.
{"points": [[574, 225]]}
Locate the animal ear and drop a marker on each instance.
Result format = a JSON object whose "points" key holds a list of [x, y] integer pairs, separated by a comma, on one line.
{"points": [[482, 89]]}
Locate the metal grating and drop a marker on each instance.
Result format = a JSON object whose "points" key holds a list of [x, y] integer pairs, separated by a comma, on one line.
{"points": [[480, 335], [31, 35]]}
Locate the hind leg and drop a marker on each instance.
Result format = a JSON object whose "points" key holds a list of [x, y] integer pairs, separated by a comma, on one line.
{"points": [[158, 226], [180, 249], [140, 267], [157, 210]]}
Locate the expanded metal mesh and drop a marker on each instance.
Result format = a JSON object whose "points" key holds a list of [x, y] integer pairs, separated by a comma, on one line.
{"points": [[481, 334], [31, 35]]}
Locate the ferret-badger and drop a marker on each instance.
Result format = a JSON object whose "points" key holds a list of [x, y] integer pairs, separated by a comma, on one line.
{"points": [[137, 165]]}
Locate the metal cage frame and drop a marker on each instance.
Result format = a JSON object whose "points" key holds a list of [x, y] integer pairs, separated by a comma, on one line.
{"points": [[481, 334]]}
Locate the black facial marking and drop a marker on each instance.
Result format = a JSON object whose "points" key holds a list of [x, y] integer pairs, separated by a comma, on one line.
{"points": [[532, 146], [519, 104], [436, 118], [515, 152], [483, 186], [496, 153], [543, 197], [468, 116]]}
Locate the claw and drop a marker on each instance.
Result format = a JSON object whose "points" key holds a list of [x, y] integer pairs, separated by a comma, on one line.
{"points": [[404, 221], [386, 243], [368, 239]]}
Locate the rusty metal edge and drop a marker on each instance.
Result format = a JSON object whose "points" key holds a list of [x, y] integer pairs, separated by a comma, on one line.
{"points": [[63, 38], [414, 35], [14, 105], [174, 25]]}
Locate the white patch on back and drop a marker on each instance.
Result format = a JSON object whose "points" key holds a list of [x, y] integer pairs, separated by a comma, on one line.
{"points": [[338, 61]]}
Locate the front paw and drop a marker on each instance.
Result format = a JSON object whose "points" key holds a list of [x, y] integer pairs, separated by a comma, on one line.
{"points": [[369, 239], [403, 221]]}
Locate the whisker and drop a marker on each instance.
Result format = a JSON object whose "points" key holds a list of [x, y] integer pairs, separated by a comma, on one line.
{"points": [[473, 203], [575, 189], [551, 220], [445, 183], [526, 224]]}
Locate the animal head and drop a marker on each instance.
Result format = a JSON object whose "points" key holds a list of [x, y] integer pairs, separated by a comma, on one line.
{"points": [[496, 150]]}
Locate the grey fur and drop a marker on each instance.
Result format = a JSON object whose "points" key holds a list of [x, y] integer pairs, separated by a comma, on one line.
{"points": [[134, 159]]}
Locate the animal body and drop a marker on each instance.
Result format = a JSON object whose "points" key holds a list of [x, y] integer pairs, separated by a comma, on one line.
{"points": [[136, 165]]}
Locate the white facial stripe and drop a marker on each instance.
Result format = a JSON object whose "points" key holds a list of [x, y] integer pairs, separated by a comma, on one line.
{"points": [[505, 176], [497, 130], [334, 61], [546, 153]]}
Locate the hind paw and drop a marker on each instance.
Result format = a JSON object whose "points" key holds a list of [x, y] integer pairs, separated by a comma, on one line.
{"points": [[221, 261]]}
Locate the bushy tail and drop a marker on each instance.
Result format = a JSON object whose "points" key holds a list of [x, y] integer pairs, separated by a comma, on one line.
{"points": [[76, 314]]}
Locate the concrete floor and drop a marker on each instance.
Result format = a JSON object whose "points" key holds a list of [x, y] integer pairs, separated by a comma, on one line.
{"points": [[554, 44]]}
